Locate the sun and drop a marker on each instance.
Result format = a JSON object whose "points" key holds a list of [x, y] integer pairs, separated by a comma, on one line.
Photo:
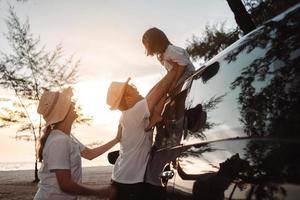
{"points": [[91, 96]]}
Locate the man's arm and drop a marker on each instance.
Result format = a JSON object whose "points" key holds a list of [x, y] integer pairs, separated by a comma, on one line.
{"points": [[161, 88]]}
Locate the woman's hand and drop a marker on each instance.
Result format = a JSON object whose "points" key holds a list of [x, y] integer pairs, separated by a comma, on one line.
{"points": [[104, 192], [113, 193], [95, 152], [119, 133]]}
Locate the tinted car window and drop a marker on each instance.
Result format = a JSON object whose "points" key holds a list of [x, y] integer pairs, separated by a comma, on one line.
{"points": [[255, 91]]}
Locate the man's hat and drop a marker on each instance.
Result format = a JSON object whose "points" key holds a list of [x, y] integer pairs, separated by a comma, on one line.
{"points": [[115, 93]]}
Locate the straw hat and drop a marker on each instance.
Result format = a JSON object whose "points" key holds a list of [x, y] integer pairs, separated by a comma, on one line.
{"points": [[115, 93], [54, 106]]}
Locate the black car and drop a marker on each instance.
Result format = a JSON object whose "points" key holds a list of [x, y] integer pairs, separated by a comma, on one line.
{"points": [[232, 130]]}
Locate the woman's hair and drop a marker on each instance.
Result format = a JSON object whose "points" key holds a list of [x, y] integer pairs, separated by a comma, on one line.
{"points": [[157, 41], [42, 142]]}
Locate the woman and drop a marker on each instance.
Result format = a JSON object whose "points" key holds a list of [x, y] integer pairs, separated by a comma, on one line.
{"points": [[60, 152]]}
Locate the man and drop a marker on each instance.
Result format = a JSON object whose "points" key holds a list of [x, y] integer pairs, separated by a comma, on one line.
{"points": [[135, 144]]}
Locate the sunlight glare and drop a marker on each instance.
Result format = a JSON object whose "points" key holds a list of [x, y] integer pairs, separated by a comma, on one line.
{"points": [[91, 96]]}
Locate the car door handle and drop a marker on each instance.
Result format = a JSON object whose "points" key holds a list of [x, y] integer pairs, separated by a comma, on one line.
{"points": [[167, 175]]}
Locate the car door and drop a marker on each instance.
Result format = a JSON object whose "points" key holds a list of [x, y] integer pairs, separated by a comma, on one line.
{"points": [[251, 89], [242, 168]]}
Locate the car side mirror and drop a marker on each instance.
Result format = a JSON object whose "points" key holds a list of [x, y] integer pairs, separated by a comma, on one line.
{"points": [[196, 118], [210, 72], [112, 157]]}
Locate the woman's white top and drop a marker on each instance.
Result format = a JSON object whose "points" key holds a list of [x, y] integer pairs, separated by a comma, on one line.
{"points": [[61, 151], [181, 57]]}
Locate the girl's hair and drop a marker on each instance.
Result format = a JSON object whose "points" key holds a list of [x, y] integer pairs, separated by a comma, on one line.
{"points": [[157, 41], [42, 142]]}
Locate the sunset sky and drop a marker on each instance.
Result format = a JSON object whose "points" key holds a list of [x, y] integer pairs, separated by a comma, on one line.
{"points": [[106, 36]]}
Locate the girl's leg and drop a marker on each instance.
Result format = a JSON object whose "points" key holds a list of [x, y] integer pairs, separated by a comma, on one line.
{"points": [[156, 114]]}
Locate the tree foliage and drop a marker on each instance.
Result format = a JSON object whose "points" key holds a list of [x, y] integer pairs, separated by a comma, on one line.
{"points": [[28, 69], [276, 107], [263, 10], [215, 38]]}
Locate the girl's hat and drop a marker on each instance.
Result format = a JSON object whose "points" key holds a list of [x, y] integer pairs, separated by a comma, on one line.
{"points": [[115, 94], [54, 106]]}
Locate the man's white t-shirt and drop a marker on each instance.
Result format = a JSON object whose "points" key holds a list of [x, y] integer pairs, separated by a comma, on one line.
{"points": [[61, 151], [135, 145]]}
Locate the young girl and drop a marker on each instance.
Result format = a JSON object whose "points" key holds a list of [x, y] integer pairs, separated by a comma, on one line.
{"points": [[60, 152], [170, 56]]}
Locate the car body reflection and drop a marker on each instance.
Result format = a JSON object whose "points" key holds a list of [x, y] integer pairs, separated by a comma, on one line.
{"points": [[231, 169]]}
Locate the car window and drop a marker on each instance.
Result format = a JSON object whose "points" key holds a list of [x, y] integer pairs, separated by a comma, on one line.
{"points": [[255, 91], [169, 132]]}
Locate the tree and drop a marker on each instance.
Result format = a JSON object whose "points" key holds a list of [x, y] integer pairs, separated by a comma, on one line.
{"points": [[29, 69], [215, 39], [241, 16], [263, 10]]}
